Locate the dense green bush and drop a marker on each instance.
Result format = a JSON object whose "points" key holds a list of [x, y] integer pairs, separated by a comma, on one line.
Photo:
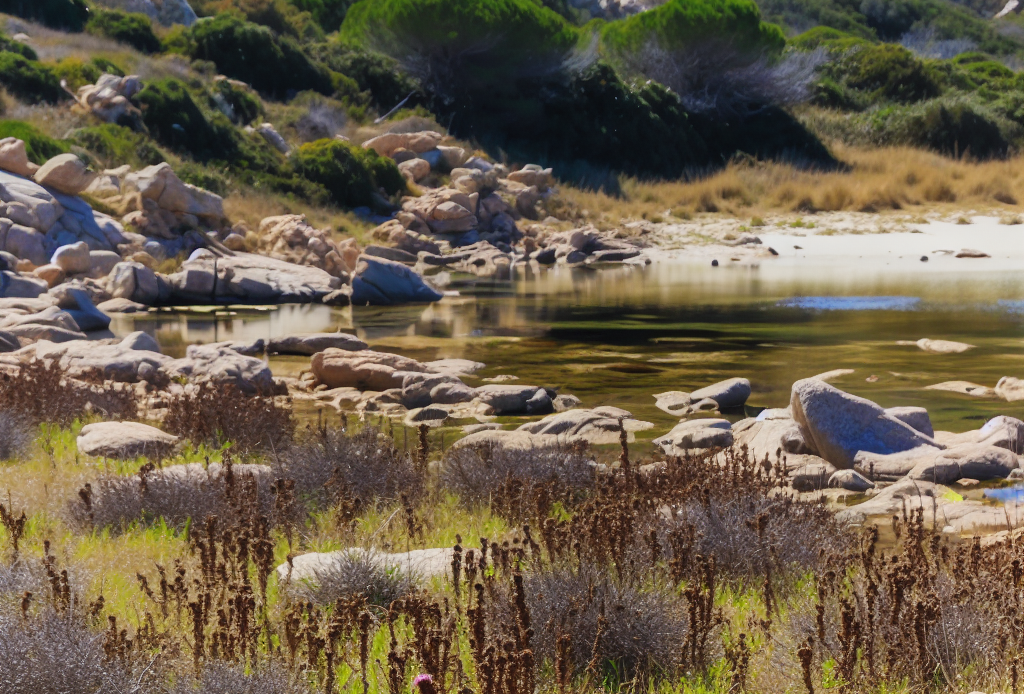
{"points": [[9, 44], [115, 145], [132, 28], [350, 174], [243, 106], [329, 14], [29, 80], [59, 14], [273, 65], [374, 74], [38, 146], [888, 71], [958, 130], [457, 46], [174, 119], [76, 73], [831, 39], [685, 24]]}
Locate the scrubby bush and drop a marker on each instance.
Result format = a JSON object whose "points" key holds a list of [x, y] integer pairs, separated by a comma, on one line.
{"points": [[38, 146], [458, 46], [115, 145], [888, 71], [12, 46], [226, 678], [16, 435], [328, 464], [352, 175], [253, 54], [173, 118], [957, 129], [41, 392], [329, 14], [76, 73], [70, 15], [236, 102], [132, 28], [512, 481], [29, 80], [374, 73], [356, 575], [221, 414]]}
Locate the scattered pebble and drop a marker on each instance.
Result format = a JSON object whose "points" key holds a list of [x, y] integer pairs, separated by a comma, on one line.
{"points": [[714, 263]]}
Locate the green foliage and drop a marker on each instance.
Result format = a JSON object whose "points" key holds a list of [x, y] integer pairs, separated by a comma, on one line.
{"points": [[329, 14], [76, 73], [38, 146], [174, 119], [350, 174], [132, 28], [70, 15], [116, 145], [9, 44], [679, 24], [463, 44], [251, 53], [244, 107], [888, 71], [375, 74], [108, 66], [29, 80], [958, 130], [832, 39]]}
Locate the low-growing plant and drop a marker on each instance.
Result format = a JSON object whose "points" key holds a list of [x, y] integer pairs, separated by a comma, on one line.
{"points": [[16, 435], [132, 28], [70, 15], [75, 73], [38, 146], [29, 80], [115, 145], [220, 414], [40, 391], [173, 118], [352, 175], [355, 575]]}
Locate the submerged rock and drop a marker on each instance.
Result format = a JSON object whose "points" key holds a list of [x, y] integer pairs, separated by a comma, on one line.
{"points": [[309, 345], [381, 282]]}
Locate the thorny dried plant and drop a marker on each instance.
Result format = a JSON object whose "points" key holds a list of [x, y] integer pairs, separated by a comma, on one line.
{"points": [[220, 413], [40, 391], [16, 435], [357, 575]]}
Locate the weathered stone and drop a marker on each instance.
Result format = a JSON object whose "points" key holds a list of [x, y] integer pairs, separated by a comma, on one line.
{"points": [[415, 169], [973, 461], [730, 393], [600, 425], [696, 434], [365, 369], [26, 243], [318, 342], [125, 440], [14, 158], [942, 346], [889, 467], [73, 259], [850, 480], [507, 400], [811, 476], [916, 417], [51, 274], [224, 366], [14, 285], [65, 173], [160, 184], [513, 441], [1010, 388], [383, 282], [417, 143], [837, 425], [44, 208], [314, 567], [963, 387], [120, 362]]}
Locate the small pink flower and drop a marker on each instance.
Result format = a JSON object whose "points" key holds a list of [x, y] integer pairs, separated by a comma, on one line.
{"points": [[424, 683]]}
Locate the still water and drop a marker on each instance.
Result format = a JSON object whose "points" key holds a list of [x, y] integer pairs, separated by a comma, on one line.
{"points": [[617, 336]]}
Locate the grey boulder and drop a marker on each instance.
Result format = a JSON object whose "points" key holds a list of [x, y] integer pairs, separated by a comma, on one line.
{"points": [[381, 282], [125, 440], [308, 345]]}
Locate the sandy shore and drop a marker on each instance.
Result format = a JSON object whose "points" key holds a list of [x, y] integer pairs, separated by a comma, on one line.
{"points": [[848, 240]]}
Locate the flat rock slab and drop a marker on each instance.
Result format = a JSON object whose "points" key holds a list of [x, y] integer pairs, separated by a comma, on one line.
{"points": [[364, 369], [513, 440], [454, 367], [964, 388], [730, 393], [696, 434], [419, 563], [600, 425], [125, 440], [941, 346], [308, 345]]}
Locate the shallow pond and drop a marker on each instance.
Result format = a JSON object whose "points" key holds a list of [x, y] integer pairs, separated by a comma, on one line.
{"points": [[617, 336]]}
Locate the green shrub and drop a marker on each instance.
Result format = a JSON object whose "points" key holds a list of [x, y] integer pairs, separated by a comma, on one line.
{"points": [[29, 80], [685, 24], [832, 39], [131, 28], [457, 46], [350, 174], [115, 145], [76, 73], [58, 14], [273, 65], [891, 72], [374, 73], [329, 14], [38, 146], [9, 44], [174, 119], [243, 106], [957, 130]]}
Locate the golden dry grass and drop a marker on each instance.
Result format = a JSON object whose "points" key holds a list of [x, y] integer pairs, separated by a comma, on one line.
{"points": [[875, 181]]}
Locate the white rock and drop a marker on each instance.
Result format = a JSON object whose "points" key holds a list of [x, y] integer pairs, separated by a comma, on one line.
{"points": [[125, 440]]}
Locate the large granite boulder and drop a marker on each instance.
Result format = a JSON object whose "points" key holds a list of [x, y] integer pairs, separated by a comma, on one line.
{"points": [[381, 282], [160, 184], [248, 278], [65, 173], [837, 426], [509, 399], [971, 461], [129, 361]]}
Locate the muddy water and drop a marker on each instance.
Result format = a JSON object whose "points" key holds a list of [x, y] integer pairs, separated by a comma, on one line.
{"points": [[618, 336]]}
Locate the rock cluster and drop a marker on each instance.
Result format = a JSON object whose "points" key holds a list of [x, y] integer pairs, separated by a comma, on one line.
{"points": [[290, 237], [110, 98]]}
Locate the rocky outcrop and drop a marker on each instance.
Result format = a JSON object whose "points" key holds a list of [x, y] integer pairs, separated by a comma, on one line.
{"points": [[696, 435], [601, 425], [971, 461], [510, 400], [130, 360], [247, 278], [125, 440], [311, 344], [365, 369], [1010, 389], [110, 98], [224, 366], [293, 239], [380, 282], [837, 426]]}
